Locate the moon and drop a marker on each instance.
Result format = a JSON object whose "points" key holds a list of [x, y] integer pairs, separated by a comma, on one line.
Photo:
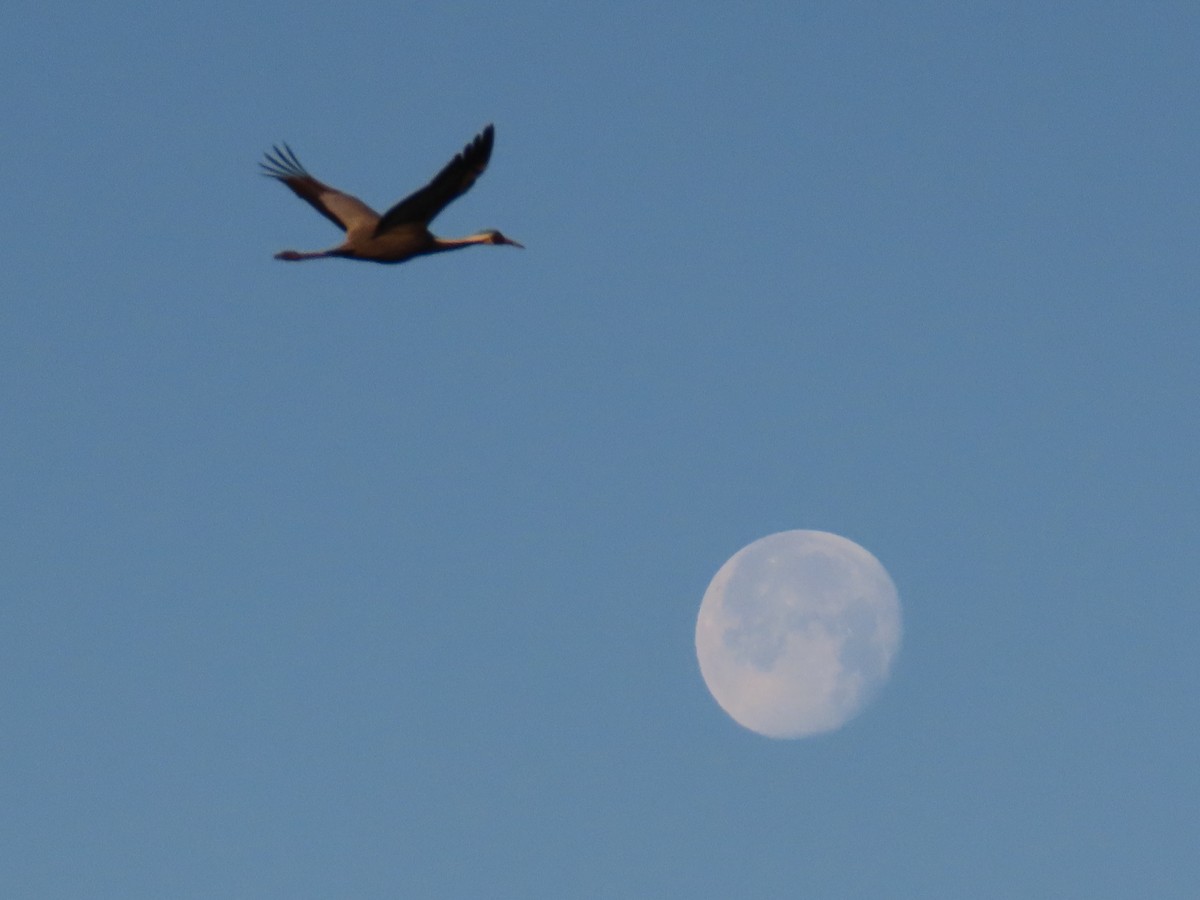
{"points": [[797, 632]]}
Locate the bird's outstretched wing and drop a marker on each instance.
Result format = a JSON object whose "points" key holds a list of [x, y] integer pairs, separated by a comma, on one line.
{"points": [[343, 210], [449, 184]]}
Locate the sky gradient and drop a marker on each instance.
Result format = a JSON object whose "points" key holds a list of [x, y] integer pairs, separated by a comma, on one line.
{"points": [[332, 579]]}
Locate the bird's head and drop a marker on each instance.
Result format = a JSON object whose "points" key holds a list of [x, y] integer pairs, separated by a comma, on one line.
{"points": [[495, 237]]}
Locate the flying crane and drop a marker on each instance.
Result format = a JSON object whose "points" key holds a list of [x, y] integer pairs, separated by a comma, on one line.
{"points": [[403, 231]]}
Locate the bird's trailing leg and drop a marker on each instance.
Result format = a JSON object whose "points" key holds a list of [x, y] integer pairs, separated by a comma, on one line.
{"points": [[296, 256]]}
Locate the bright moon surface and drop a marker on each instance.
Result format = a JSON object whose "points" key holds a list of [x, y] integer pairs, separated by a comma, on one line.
{"points": [[797, 632]]}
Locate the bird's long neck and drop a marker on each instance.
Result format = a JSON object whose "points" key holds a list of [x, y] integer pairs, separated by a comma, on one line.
{"points": [[441, 243]]}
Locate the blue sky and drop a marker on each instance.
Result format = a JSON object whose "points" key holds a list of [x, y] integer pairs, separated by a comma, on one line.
{"points": [[346, 580]]}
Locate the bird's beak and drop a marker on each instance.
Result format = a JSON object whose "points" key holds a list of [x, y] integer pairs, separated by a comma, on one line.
{"points": [[513, 243]]}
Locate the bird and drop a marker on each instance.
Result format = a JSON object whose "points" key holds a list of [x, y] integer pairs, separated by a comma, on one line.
{"points": [[403, 231]]}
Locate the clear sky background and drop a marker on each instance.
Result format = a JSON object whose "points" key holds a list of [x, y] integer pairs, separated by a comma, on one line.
{"points": [[341, 580]]}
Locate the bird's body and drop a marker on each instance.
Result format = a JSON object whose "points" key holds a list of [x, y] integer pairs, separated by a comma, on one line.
{"points": [[403, 231]]}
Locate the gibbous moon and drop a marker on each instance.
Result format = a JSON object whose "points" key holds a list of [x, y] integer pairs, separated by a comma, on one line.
{"points": [[797, 632]]}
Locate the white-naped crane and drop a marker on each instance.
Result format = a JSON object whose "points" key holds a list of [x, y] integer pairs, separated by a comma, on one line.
{"points": [[403, 231]]}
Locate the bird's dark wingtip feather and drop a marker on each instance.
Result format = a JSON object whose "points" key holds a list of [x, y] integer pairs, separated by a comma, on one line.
{"points": [[291, 157], [479, 151], [282, 163]]}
